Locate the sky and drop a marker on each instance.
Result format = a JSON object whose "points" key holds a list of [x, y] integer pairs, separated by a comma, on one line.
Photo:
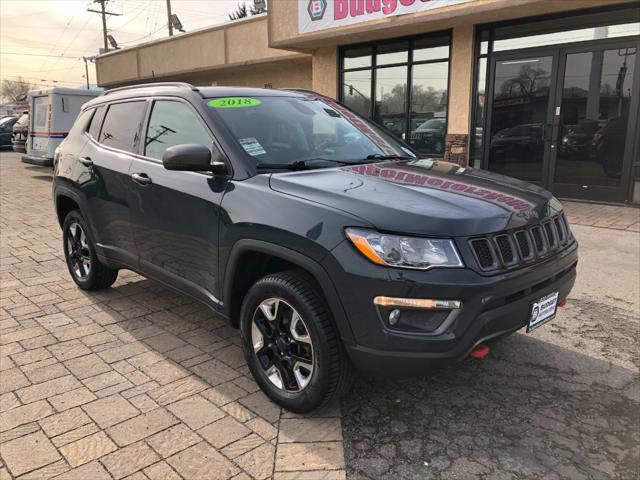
{"points": [[44, 40]]}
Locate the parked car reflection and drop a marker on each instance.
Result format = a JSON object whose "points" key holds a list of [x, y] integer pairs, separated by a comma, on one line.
{"points": [[429, 136], [578, 140], [517, 143], [608, 146]]}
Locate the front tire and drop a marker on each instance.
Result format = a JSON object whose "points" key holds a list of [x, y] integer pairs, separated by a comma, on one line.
{"points": [[80, 253], [291, 344]]}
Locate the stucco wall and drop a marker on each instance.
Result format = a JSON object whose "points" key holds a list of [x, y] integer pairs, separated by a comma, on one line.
{"points": [[460, 78], [292, 73], [231, 45], [325, 71]]}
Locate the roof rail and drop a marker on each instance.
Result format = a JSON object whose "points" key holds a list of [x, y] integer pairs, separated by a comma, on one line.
{"points": [[157, 84], [301, 90]]}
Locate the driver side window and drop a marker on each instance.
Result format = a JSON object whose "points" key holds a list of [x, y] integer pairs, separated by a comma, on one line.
{"points": [[173, 123]]}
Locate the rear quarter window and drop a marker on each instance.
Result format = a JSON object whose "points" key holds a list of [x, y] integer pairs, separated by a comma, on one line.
{"points": [[121, 125], [81, 123], [96, 121]]}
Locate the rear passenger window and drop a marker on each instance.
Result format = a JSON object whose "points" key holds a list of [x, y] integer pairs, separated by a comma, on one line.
{"points": [[80, 124], [96, 120], [173, 123], [120, 127]]}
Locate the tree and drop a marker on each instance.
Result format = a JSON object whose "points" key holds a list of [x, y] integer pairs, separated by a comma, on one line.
{"points": [[241, 12], [15, 91]]}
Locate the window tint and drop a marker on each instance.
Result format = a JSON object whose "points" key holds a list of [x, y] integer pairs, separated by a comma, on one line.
{"points": [[173, 123], [120, 128], [94, 126], [80, 125], [283, 130]]}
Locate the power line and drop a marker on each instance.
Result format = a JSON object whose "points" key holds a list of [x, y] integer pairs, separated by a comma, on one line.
{"points": [[69, 44], [103, 12], [41, 79], [37, 55]]}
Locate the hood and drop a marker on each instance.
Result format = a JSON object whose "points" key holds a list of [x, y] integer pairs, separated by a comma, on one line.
{"points": [[424, 197]]}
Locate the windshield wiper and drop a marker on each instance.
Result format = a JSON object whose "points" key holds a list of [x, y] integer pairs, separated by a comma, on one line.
{"points": [[300, 164], [377, 156]]}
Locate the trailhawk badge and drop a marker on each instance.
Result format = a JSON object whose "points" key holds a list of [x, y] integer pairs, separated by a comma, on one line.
{"points": [[316, 9]]}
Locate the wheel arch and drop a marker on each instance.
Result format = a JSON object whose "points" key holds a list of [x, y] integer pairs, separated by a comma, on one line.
{"points": [[266, 258], [65, 203]]}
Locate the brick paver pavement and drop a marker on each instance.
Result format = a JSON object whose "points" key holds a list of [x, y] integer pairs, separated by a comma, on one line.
{"points": [[605, 216], [136, 381]]}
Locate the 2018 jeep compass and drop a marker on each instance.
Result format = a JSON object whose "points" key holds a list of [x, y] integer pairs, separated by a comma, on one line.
{"points": [[328, 242]]}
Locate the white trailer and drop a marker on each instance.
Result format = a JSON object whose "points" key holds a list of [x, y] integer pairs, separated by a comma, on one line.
{"points": [[53, 112]]}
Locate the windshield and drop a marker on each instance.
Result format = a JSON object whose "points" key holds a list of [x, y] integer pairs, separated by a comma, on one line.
{"points": [[6, 120], [284, 130]]}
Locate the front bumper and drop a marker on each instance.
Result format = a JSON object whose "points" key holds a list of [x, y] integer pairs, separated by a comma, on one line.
{"points": [[491, 306]]}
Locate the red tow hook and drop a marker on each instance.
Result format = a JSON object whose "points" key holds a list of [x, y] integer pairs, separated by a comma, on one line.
{"points": [[480, 351], [562, 303]]}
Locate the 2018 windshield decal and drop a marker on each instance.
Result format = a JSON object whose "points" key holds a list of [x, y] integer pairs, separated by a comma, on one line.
{"points": [[234, 102], [455, 186]]}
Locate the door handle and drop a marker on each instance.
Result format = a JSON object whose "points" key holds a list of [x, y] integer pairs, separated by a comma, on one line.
{"points": [[141, 178], [86, 161]]}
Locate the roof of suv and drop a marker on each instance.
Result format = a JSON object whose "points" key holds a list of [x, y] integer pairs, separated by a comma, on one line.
{"points": [[150, 89]]}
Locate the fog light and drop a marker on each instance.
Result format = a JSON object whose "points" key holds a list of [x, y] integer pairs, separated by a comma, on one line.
{"points": [[394, 316]]}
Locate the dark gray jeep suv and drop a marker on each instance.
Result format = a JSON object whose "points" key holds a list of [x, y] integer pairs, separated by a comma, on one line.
{"points": [[328, 242]]}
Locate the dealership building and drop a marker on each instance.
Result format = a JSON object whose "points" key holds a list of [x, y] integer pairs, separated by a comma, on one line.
{"points": [[546, 91]]}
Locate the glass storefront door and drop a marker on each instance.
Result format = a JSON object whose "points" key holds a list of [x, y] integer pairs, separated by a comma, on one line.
{"points": [[520, 116], [595, 94], [565, 118]]}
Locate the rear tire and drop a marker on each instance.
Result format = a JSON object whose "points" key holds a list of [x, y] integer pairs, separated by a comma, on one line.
{"points": [[79, 251], [291, 344]]}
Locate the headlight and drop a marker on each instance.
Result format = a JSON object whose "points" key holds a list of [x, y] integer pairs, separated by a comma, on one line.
{"points": [[405, 252]]}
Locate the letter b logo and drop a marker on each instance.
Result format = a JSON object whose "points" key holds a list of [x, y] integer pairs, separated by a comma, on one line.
{"points": [[316, 9]]}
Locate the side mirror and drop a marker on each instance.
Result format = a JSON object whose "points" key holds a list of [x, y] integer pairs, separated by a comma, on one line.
{"points": [[194, 158]]}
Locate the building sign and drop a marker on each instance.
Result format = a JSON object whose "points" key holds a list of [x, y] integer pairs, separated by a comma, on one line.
{"points": [[314, 15]]}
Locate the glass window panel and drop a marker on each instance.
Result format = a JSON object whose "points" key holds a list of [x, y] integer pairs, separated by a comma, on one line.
{"points": [[520, 100], [476, 144], [173, 123], [429, 107], [578, 35], [120, 128], [596, 98], [391, 99], [357, 57], [356, 91], [430, 49], [431, 53], [392, 53], [96, 121]]}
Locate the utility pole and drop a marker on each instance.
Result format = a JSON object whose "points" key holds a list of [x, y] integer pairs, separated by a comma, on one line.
{"points": [[169, 23], [86, 67], [86, 71], [104, 14]]}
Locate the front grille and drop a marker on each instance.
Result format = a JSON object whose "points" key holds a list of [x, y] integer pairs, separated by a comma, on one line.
{"points": [[536, 233], [505, 249], [518, 247], [483, 252]]}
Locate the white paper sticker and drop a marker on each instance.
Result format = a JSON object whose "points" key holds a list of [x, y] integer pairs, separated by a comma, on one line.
{"points": [[252, 146]]}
